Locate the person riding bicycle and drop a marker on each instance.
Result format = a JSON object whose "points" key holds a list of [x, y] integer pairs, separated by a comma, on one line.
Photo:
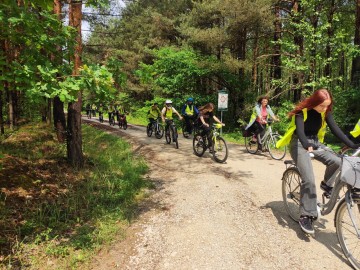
{"points": [[111, 112], [306, 134], [259, 118], [153, 113], [205, 120], [189, 112], [167, 113], [101, 112], [120, 113]]}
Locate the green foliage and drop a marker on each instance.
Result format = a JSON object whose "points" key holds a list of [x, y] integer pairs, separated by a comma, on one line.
{"points": [[83, 209]]}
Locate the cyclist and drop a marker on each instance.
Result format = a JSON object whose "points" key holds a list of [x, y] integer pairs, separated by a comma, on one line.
{"points": [[111, 112], [305, 134], [154, 112], [189, 112], [88, 110], [259, 118], [205, 120], [101, 112], [167, 113], [120, 113], [93, 109]]}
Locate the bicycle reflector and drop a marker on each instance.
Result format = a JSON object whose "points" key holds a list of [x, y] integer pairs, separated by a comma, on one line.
{"points": [[218, 125]]}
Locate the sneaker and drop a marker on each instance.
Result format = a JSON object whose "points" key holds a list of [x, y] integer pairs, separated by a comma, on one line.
{"points": [[306, 225], [327, 189]]}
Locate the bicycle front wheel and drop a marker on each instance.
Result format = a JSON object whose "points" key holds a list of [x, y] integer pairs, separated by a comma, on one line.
{"points": [[168, 135], [175, 137], [291, 182], [346, 232], [251, 145], [220, 150], [199, 145], [275, 153], [159, 131]]}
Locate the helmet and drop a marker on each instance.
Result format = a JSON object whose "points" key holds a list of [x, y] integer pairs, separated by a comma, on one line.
{"points": [[190, 99], [168, 101]]}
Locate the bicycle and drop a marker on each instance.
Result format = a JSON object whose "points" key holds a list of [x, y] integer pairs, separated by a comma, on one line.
{"points": [[171, 133], [268, 142], [185, 132], [122, 121], [101, 117], [156, 127], [219, 148], [347, 213], [112, 119]]}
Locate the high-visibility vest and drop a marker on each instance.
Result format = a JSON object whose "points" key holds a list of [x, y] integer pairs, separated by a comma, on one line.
{"points": [[285, 140], [154, 113], [188, 110], [169, 113], [356, 131]]}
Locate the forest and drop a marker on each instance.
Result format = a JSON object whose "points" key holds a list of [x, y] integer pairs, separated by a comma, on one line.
{"points": [[137, 52]]}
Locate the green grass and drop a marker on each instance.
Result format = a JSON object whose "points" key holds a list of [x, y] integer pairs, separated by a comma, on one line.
{"points": [[73, 212]]}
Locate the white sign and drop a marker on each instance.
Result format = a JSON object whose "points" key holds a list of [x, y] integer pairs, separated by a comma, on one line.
{"points": [[222, 101]]}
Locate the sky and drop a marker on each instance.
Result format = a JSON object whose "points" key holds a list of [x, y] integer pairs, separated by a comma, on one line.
{"points": [[85, 27]]}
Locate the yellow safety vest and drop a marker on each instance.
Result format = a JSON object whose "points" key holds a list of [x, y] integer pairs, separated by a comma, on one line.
{"points": [[169, 113], [154, 113], [285, 140], [189, 111], [356, 132]]}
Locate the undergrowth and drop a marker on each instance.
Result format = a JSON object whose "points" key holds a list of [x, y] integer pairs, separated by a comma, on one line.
{"points": [[52, 213]]}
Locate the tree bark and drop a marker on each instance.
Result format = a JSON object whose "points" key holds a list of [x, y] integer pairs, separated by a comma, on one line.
{"points": [[58, 105], [276, 59], [74, 136]]}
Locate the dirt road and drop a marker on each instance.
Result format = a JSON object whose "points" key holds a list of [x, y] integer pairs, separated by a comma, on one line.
{"points": [[206, 215]]}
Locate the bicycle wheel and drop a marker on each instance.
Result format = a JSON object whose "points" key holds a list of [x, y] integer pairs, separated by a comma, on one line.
{"points": [[199, 145], [346, 232], [250, 145], [184, 131], [275, 153], [291, 182], [159, 131], [168, 135], [149, 130], [125, 125], [220, 150], [175, 137]]}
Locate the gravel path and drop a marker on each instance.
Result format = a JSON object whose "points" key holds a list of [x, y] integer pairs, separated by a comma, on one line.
{"points": [[206, 215]]}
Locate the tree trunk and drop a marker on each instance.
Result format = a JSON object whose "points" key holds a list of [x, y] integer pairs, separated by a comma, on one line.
{"points": [[298, 79], [58, 105], [330, 32], [355, 70], [276, 59], [2, 129], [74, 136]]}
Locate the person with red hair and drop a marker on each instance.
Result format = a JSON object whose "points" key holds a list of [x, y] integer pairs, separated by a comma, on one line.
{"points": [[306, 134]]}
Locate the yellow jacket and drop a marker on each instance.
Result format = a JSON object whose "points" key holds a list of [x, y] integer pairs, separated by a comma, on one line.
{"points": [[285, 140], [356, 131]]}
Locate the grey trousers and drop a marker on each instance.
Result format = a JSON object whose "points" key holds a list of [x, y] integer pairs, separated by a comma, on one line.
{"points": [[308, 198]]}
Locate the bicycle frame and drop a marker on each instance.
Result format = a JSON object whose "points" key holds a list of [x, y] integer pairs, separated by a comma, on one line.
{"points": [[267, 135]]}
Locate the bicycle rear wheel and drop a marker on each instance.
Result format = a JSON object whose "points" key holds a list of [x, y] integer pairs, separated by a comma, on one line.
{"points": [[291, 182], [199, 145], [346, 233], [149, 130], [159, 131], [275, 153], [184, 131], [125, 125], [251, 145], [220, 150]]}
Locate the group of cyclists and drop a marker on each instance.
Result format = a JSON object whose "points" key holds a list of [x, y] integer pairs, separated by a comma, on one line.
{"points": [[305, 134], [116, 112]]}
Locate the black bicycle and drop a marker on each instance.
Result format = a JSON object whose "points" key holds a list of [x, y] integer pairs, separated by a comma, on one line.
{"points": [[185, 132], [112, 119], [219, 148], [101, 117], [155, 127], [171, 133], [123, 122]]}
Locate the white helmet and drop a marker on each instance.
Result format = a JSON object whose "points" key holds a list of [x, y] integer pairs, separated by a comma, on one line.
{"points": [[168, 101]]}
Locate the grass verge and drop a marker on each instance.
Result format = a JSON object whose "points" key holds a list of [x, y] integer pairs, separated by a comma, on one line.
{"points": [[54, 214]]}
